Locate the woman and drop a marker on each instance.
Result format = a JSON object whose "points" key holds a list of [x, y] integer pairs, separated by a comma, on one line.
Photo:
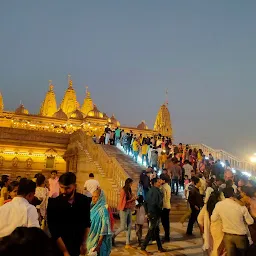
{"points": [[12, 191], [126, 203], [42, 193], [212, 232], [4, 185], [99, 239]]}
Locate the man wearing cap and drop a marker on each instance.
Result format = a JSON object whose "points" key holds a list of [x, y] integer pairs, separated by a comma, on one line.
{"points": [[69, 217]]}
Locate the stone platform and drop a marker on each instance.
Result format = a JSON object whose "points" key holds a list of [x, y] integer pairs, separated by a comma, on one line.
{"points": [[179, 245]]}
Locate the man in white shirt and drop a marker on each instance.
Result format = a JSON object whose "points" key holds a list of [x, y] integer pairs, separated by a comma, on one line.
{"points": [[235, 219], [19, 212], [188, 169], [91, 185], [165, 217]]}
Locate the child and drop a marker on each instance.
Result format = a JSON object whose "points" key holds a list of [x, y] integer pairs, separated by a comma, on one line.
{"points": [[140, 218], [186, 181]]}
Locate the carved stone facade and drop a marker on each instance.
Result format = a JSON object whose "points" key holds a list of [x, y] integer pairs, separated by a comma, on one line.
{"points": [[25, 153]]}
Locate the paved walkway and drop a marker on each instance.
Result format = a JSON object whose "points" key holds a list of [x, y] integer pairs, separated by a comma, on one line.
{"points": [[179, 245]]}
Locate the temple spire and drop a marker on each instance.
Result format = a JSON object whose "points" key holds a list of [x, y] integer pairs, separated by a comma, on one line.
{"points": [[163, 123], [69, 103], [49, 105], [88, 103]]}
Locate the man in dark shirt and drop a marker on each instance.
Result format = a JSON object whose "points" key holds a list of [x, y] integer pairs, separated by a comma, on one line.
{"points": [[153, 208], [145, 180], [69, 217], [195, 201], [176, 172]]}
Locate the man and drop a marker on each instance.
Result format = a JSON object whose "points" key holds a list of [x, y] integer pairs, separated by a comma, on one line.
{"points": [[19, 212], [69, 217], [135, 148], [233, 217], [107, 135], [229, 177], [144, 152], [124, 141], [117, 135], [165, 217], [54, 185], [153, 208], [195, 201], [176, 172], [154, 160], [91, 185], [150, 149], [188, 169], [145, 180]]}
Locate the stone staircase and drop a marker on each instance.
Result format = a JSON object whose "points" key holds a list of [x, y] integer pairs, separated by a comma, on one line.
{"points": [[132, 169], [178, 208], [178, 203]]}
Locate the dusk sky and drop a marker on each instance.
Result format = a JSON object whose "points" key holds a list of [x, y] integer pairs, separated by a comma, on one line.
{"points": [[130, 52]]}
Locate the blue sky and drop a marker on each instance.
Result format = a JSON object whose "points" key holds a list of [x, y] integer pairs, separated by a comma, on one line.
{"points": [[129, 52]]}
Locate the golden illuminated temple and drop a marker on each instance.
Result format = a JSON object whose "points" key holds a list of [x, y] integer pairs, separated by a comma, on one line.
{"points": [[33, 142]]}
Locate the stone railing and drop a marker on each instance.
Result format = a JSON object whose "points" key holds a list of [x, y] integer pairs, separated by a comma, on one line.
{"points": [[235, 162], [109, 167]]}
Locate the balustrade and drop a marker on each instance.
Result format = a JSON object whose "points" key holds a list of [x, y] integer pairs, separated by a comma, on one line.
{"points": [[110, 166]]}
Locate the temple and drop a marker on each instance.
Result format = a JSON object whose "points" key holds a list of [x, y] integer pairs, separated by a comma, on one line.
{"points": [[35, 142], [60, 137]]}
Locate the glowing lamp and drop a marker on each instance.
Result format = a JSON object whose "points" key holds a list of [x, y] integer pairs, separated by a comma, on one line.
{"points": [[253, 159]]}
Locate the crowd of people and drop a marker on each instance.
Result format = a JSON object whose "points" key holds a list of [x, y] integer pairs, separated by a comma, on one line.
{"points": [[70, 223], [228, 228], [49, 217]]}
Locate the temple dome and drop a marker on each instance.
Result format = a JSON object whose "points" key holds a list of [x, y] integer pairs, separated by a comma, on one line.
{"points": [[77, 114], [95, 113], [21, 110], [60, 114], [163, 121], [114, 121], [142, 126]]}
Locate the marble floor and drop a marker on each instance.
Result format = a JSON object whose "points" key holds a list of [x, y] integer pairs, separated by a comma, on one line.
{"points": [[179, 245]]}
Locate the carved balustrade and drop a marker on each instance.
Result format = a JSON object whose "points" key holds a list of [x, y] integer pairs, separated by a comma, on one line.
{"points": [[112, 169]]}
